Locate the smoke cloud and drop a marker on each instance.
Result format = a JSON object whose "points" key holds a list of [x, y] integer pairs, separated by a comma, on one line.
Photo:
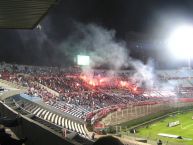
{"points": [[100, 44], [93, 40], [144, 75], [105, 50]]}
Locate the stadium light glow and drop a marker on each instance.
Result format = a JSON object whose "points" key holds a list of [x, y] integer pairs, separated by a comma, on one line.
{"points": [[83, 60], [180, 42]]}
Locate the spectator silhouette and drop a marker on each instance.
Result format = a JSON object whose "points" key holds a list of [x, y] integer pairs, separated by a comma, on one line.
{"points": [[6, 139], [108, 140], [159, 142], [93, 136]]}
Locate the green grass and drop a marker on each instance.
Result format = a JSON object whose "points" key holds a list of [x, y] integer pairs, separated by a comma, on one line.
{"points": [[185, 129]]}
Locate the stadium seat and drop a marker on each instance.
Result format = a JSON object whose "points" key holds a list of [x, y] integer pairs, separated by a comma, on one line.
{"points": [[43, 114], [79, 128], [63, 120], [34, 109], [53, 118], [66, 123], [49, 116], [59, 121], [76, 127], [56, 120], [72, 124], [39, 112], [69, 124], [83, 131], [46, 115]]}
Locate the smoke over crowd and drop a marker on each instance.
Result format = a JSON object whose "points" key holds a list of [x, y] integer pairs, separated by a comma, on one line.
{"points": [[105, 50], [101, 44]]}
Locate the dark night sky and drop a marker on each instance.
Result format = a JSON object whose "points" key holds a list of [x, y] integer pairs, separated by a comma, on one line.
{"points": [[132, 20]]}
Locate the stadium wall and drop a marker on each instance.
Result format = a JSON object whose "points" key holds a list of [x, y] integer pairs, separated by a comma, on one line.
{"points": [[35, 132], [134, 115]]}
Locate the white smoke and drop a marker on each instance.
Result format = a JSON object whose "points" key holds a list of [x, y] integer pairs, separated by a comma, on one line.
{"points": [[105, 49], [101, 45], [144, 75]]}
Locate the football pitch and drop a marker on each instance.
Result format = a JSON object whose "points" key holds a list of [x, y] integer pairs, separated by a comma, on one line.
{"points": [[184, 129]]}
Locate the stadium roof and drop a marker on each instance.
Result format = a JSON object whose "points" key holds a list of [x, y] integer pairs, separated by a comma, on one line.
{"points": [[23, 14]]}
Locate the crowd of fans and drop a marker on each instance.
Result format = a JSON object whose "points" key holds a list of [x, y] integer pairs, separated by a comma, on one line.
{"points": [[69, 90]]}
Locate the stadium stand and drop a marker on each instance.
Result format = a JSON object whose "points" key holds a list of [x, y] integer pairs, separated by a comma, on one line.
{"points": [[68, 99]]}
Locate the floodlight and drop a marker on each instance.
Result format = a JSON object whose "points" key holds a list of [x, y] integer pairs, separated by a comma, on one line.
{"points": [[83, 60], [180, 42]]}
